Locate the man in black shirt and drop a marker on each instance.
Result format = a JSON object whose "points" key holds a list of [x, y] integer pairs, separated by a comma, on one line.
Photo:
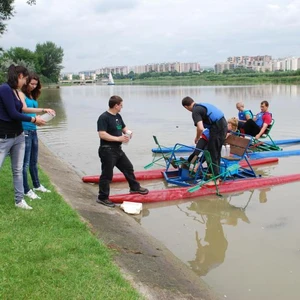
{"points": [[206, 115], [112, 132]]}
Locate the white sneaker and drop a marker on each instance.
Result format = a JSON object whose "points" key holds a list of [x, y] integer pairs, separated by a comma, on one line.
{"points": [[32, 195], [42, 189], [23, 204]]}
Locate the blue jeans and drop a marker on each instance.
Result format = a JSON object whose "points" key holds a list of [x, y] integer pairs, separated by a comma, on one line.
{"points": [[31, 159], [16, 148]]}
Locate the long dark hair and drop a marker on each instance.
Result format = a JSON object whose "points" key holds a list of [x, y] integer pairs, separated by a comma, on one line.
{"points": [[34, 94], [13, 75]]}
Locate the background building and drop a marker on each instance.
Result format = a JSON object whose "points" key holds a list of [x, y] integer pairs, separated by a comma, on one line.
{"points": [[155, 67], [115, 70], [259, 63]]}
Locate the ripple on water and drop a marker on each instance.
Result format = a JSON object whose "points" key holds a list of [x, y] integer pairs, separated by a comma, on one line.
{"points": [[244, 244]]}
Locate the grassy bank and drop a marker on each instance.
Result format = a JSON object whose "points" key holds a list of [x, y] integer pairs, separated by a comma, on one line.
{"points": [[215, 79], [49, 253]]}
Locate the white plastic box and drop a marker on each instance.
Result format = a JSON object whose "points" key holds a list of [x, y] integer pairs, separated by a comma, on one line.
{"points": [[133, 208], [47, 117], [128, 133]]}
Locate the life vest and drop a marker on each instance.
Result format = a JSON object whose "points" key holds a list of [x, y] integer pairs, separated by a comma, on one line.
{"points": [[242, 114], [259, 118], [213, 114], [205, 134]]}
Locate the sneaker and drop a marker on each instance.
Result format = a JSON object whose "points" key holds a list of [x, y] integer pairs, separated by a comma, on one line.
{"points": [[23, 204], [105, 202], [42, 189], [32, 195], [141, 190]]}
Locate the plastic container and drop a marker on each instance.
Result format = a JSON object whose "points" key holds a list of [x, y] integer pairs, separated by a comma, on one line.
{"points": [[133, 208], [47, 117], [223, 151], [224, 166], [227, 149], [128, 133]]}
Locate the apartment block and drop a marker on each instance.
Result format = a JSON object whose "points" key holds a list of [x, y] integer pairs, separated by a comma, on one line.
{"points": [[220, 67], [286, 64], [260, 63], [154, 67], [139, 69], [115, 70]]}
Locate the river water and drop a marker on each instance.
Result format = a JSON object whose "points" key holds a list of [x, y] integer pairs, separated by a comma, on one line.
{"points": [[245, 245]]}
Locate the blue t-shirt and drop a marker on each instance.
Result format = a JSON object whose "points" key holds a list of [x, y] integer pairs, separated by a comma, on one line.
{"points": [[31, 103]]}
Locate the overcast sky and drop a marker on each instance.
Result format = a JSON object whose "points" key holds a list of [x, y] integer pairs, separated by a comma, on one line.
{"points": [[100, 33]]}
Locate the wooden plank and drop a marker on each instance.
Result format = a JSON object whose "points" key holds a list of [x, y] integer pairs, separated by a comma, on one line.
{"points": [[237, 150], [238, 145], [237, 141]]}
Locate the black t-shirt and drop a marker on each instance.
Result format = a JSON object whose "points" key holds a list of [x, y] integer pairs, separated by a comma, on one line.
{"points": [[112, 124], [199, 113]]}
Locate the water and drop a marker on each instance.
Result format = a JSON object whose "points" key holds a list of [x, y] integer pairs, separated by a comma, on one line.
{"points": [[246, 245]]}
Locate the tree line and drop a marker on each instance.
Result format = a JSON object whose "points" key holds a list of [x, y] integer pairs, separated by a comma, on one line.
{"points": [[206, 74], [45, 60]]}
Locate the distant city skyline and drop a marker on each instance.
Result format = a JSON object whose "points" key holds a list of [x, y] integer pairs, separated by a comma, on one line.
{"points": [[257, 63], [96, 34]]}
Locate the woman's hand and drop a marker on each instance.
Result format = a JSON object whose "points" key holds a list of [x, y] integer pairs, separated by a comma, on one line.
{"points": [[49, 111], [39, 121]]}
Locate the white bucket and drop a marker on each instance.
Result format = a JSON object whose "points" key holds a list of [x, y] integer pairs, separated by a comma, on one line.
{"points": [[133, 208], [47, 117]]}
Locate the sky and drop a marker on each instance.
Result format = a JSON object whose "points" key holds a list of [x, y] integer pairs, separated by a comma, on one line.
{"points": [[104, 33]]}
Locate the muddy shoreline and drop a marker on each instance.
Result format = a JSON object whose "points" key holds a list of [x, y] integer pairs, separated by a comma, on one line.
{"points": [[145, 262]]}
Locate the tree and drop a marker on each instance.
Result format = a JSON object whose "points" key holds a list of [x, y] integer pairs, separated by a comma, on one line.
{"points": [[18, 54], [131, 75], [49, 58], [7, 11]]}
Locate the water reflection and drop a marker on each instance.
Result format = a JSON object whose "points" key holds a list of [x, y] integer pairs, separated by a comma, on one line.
{"points": [[211, 248], [158, 111], [259, 92], [263, 195]]}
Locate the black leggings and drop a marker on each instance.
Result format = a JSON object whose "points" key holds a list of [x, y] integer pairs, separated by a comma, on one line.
{"points": [[251, 128], [201, 144]]}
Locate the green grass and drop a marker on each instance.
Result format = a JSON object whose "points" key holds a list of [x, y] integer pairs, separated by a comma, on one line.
{"points": [[215, 79], [49, 253]]}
